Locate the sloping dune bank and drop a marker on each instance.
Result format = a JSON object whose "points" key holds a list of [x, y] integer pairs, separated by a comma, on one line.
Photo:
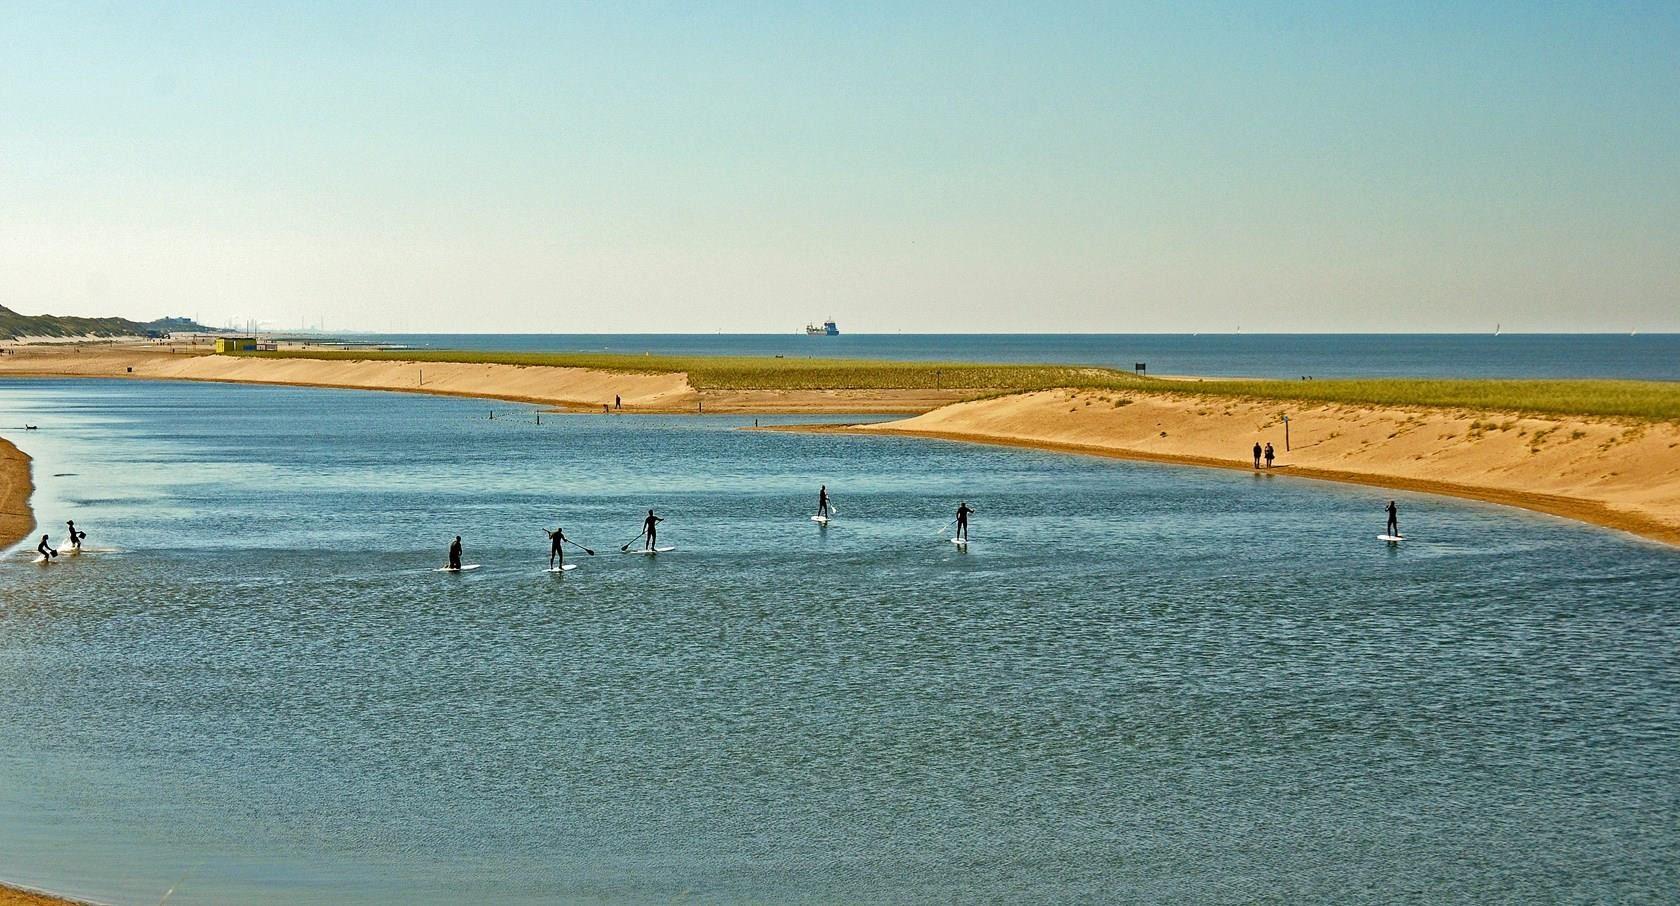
{"points": [[1624, 475], [16, 896], [16, 519]]}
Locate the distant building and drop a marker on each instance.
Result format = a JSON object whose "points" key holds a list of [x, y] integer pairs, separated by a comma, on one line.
{"points": [[236, 344]]}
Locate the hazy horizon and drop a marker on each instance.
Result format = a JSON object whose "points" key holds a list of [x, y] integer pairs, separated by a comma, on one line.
{"points": [[1078, 168]]}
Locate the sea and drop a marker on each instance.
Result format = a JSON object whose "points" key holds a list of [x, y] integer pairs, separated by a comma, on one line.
{"points": [[1653, 357], [1138, 683]]}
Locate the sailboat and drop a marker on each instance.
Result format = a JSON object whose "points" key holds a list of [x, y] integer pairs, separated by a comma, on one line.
{"points": [[1496, 330]]}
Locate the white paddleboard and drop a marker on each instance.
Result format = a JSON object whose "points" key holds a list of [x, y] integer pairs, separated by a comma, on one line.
{"points": [[563, 569], [1392, 539], [450, 569], [40, 559], [821, 519], [657, 550], [960, 542]]}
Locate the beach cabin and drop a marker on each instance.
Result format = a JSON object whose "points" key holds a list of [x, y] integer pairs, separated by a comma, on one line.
{"points": [[236, 344]]}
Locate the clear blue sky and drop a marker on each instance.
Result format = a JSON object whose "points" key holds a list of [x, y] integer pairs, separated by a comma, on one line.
{"points": [[698, 167]]}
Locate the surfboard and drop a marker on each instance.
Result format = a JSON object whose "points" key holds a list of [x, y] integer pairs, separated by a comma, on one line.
{"points": [[820, 519], [657, 550], [466, 568], [563, 569], [960, 542], [1391, 539], [40, 559]]}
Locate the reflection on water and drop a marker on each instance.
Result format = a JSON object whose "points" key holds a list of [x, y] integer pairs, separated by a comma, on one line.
{"points": [[1141, 682]]}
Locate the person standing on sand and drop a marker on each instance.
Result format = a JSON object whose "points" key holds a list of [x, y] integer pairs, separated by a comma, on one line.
{"points": [[1393, 519], [45, 549], [75, 536], [822, 501], [618, 401], [963, 509], [556, 549], [1268, 454], [650, 529], [455, 553], [1257, 454]]}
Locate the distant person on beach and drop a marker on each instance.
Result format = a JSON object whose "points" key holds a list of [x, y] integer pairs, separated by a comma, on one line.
{"points": [[650, 529], [618, 401], [1268, 455], [75, 536], [45, 549], [822, 500], [455, 553], [556, 550], [963, 509], [1257, 454], [1393, 519]]}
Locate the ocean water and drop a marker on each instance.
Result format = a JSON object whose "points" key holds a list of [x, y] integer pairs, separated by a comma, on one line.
{"points": [[1642, 356], [1140, 682]]}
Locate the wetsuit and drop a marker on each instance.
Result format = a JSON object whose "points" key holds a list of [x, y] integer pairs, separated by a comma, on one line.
{"points": [[822, 501], [455, 554], [962, 521], [648, 528], [1257, 456], [46, 552], [75, 536], [1393, 519], [555, 548]]}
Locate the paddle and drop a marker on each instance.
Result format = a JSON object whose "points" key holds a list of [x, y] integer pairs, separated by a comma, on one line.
{"points": [[626, 546], [947, 527], [575, 544]]}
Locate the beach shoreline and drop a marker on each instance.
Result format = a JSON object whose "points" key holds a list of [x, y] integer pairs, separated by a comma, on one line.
{"points": [[23, 896], [17, 520]]}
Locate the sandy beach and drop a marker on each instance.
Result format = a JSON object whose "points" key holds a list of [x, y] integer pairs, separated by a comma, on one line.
{"points": [[1622, 475], [16, 519], [1619, 474], [13, 896]]}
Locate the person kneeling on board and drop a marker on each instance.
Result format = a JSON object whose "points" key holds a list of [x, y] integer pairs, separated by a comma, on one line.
{"points": [[963, 509], [45, 549], [455, 553]]}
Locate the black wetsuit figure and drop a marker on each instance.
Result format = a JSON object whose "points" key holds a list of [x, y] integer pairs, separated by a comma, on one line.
{"points": [[455, 553], [556, 550], [1393, 519], [963, 510], [46, 552], [649, 528], [75, 536], [1257, 454], [822, 501], [1268, 456]]}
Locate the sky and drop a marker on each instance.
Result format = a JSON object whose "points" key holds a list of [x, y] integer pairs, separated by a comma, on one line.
{"points": [[962, 167]]}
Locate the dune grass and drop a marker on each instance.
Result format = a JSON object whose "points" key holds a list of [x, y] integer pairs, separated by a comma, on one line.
{"points": [[1650, 400]]}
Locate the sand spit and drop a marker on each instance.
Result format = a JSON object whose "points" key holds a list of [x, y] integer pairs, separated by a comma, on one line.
{"points": [[1625, 475], [17, 896]]}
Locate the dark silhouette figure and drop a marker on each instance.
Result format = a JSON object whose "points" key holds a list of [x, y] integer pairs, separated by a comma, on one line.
{"points": [[455, 553], [650, 529], [1269, 455], [1257, 454], [75, 536], [963, 509], [1393, 519], [822, 501], [45, 549], [556, 548]]}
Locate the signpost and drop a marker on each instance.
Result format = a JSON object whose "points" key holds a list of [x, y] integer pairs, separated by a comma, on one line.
{"points": [[1286, 433]]}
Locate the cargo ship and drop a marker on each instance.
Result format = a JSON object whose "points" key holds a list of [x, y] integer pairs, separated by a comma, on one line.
{"points": [[828, 329]]}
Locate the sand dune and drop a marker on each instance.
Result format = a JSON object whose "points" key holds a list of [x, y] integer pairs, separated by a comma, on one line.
{"points": [[16, 519], [1621, 474]]}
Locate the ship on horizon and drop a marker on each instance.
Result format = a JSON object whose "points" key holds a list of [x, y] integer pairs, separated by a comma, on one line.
{"points": [[828, 329]]}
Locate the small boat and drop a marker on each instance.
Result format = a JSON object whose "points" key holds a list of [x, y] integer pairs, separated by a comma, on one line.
{"points": [[828, 329]]}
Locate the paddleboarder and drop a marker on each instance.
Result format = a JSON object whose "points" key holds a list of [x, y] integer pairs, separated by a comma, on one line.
{"points": [[455, 553], [963, 509], [1393, 519], [556, 551], [650, 530], [822, 501], [75, 536], [45, 549]]}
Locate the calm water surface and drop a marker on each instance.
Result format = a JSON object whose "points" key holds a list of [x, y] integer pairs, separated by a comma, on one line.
{"points": [[1140, 683]]}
